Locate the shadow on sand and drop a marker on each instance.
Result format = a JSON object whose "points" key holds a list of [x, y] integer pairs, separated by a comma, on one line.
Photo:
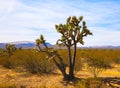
{"points": [[106, 82]]}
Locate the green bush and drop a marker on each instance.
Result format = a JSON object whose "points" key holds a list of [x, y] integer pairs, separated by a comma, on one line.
{"points": [[5, 62], [37, 63], [32, 61], [8, 64], [31, 64], [96, 66]]}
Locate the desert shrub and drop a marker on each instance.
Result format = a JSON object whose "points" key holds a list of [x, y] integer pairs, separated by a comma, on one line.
{"points": [[8, 64], [11, 61], [5, 62], [117, 60], [78, 65], [98, 60], [46, 66], [2, 59], [38, 63], [5, 56], [96, 66], [31, 64], [31, 61]]}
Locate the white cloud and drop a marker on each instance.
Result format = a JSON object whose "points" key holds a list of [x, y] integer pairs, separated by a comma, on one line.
{"points": [[101, 36], [6, 7], [23, 20]]}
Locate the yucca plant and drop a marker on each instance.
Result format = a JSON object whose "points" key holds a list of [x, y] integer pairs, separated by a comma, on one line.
{"points": [[72, 33]]}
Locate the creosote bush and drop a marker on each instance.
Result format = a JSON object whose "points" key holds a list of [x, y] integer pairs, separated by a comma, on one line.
{"points": [[96, 66], [36, 64], [28, 59]]}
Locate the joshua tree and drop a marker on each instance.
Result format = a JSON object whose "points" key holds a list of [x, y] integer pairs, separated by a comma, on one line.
{"points": [[72, 33], [9, 48], [6, 53]]}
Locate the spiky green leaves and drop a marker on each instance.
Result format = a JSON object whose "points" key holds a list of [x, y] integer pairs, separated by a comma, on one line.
{"points": [[41, 37], [83, 23], [61, 28], [72, 32], [80, 18], [10, 47], [81, 41], [68, 19], [40, 40], [37, 42]]}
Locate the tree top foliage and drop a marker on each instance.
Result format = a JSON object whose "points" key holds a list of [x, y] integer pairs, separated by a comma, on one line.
{"points": [[72, 31]]}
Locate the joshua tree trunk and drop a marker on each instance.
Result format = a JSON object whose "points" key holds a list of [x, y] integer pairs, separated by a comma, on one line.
{"points": [[71, 75], [71, 61]]}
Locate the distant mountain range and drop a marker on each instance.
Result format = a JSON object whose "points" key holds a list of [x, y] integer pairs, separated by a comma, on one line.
{"points": [[30, 44], [23, 44], [106, 47]]}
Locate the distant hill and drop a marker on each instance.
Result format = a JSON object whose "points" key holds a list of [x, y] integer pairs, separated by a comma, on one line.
{"points": [[2, 45], [106, 47], [30, 44], [90, 47], [23, 44]]}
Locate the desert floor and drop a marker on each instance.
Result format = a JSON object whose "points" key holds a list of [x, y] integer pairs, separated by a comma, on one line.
{"points": [[24, 79]]}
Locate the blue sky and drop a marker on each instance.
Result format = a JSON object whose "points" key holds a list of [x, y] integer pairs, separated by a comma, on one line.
{"points": [[25, 20]]}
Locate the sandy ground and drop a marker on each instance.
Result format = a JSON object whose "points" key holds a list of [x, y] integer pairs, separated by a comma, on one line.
{"points": [[24, 79]]}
